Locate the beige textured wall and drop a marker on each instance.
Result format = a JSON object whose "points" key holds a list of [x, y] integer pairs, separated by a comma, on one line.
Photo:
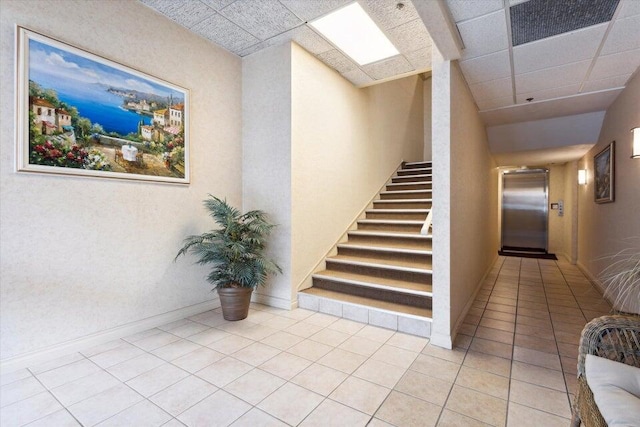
{"points": [[266, 157], [556, 223], [346, 142], [571, 211], [605, 229], [427, 91], [465, 211], [68, 268]]}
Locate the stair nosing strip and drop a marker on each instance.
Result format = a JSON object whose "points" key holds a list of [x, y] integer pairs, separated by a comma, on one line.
{"points": [[385, 266], [374, 285], [392, 221], [383, 234], [374, 210], [406, 191], [386, 248]]}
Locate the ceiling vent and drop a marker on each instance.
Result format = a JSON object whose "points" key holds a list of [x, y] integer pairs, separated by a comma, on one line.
{"points": [[538, 19]]}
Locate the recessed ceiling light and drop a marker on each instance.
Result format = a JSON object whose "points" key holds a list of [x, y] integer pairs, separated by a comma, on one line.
{"points": [[355, 33]]}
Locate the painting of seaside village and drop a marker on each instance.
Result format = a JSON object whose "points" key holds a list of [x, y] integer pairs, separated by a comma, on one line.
{"points": [[90, 116]]}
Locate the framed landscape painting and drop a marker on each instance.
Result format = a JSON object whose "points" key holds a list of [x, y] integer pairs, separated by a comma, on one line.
{"points": [[604, 174], [81, 114]]}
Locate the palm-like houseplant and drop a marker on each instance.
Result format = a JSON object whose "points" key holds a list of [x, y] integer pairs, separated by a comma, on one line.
{"points": [[621, 280], [236, 253]]}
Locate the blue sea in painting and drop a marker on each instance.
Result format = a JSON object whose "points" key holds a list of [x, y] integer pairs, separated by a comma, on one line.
{"points": [[83, 83]]}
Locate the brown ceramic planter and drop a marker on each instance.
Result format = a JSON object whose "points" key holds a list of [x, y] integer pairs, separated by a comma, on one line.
{"points": [[235, 302]]}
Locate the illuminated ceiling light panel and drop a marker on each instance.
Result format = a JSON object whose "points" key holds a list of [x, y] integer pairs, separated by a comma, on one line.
{"points": [[355, 33]]}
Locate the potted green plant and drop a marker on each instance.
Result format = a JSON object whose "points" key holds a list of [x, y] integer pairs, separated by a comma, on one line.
{"points": [[236, 253], [621, 280]]}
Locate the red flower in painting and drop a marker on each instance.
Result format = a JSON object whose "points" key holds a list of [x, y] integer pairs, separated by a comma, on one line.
{"points": [[39, 148], [70, 156], [48, 144]]}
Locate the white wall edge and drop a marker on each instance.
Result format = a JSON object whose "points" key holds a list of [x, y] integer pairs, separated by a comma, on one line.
{"points": [[440, 340], [79, 344], [273, 301]]}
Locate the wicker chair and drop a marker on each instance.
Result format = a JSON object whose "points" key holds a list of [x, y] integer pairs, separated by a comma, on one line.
{"points": [[615, 337]]}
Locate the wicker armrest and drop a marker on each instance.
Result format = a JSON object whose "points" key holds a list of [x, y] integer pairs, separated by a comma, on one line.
{"points": [[614, 337]]}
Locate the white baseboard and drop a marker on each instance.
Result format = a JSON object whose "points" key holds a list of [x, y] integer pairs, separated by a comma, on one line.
{"points": [[79, 344], [273, 301], [593, 279]]}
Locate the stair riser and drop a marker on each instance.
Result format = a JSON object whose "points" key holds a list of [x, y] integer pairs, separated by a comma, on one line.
{"points": [[399, 215], [408, 179], [417, 261], [380, 272], [409, 186], [402, 205], [379, 294], [391, 241], [416, 171], [401, 196], [420, 165], [406, 228]]}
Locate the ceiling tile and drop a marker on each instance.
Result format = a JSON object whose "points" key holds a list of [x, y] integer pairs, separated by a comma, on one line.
{"points": [[625, 35], [500, 88], [388, 68], [615, 64], [410, 37], [603, 84], [310, 40], [420, 59], [485, 68], [358, 77], [184, 13], [563, 75], [224, 33], [308, 10], [387, 15], [490, 104], [263, 19], [558, 50], [629, 8], [336, 59], [216, 4], [461, 10], [484, 35], [547, 94]]}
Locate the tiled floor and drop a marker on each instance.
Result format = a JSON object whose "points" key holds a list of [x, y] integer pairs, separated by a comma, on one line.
{"points": [[514, 365]]}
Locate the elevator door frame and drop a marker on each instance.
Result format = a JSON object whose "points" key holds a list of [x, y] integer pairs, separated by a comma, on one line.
{"points": [[546, 203]]}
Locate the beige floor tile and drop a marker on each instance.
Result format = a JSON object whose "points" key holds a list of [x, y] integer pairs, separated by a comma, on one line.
{"points": [[321, 319], [493, 348], [310, 350], [282, 340], [479, 406], [255, 417], [334, 414], [198, 359], [279, 323], [330, 337], [435, 367], [231, 344], [494, 335], [61, 418], [257, 332], [538, 375], [143, 413], [472, 319], [219, 409], [254, 386], [379, 423], [360, 394], [395, 356], [424, 387], [408, 342], [188, 329], [347, 326], [104, 405], [523, 416], [503, 301], [342, 360], [453, 419], [319, 379], [569, 364], [156, 379], [297, 314], [468, 329], [209, 336], [80, 389], [486, 362], [403, 410], [543, 332], [285, 365], [175, 349], [27, 387], [541, 398], [540, 344], [499, 315], [362, 346], [224, 371], [533, 321], [538, 314], [256, 354], [71, 372], [568, 338], [379, 373], [571, 381], [535, 357], [278, 404], [483, 381], [182, 395], [463, 341], [455, 355], [31, 409], [304, 330], [375, 334], [155, 341]]}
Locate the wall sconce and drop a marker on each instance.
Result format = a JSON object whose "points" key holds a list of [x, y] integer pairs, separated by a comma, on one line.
{"points": [[582, 176], [635, 143]]}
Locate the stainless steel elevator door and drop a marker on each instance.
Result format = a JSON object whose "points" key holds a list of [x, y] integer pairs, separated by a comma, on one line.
{"points": [[524, 210]]}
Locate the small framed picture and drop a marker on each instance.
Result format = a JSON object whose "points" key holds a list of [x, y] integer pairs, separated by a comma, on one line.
{"points": [[604, 167]]}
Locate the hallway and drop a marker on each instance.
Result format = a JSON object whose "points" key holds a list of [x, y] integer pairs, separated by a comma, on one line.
{"points": [[514, 364]]}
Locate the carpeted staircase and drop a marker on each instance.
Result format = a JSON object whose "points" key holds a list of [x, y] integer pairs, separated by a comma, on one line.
{"points": [[384, 269]]}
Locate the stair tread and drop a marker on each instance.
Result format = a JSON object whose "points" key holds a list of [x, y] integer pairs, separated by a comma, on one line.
{"points": [[407, 191], [416, 267], [382, 210], [376, 248], [403, 201], [424, 175], [418, 163], [424, 313], [401, 285], [391, 221], [407, 234]]}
